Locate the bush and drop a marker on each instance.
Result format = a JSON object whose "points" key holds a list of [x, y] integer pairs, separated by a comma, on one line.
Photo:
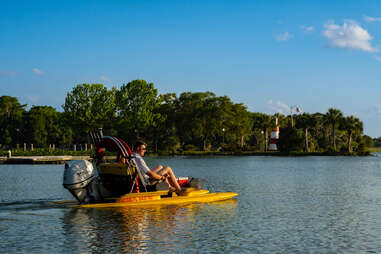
{"points": [[248, 148], [171, 144], [191, 147], [290, 140], [231, 147], [361, 147]]}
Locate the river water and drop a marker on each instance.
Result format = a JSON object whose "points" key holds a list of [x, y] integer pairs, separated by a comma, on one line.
{"points": [[285, 205]]}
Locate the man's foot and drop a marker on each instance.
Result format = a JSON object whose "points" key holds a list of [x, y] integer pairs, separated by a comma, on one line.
{"points": [[181, 192]]}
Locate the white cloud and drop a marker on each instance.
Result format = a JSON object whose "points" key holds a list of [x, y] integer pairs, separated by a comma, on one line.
{"points": [[284, 36], [38, 71], [371, 19], [350, 36], [104, 78], [307, 29], [279, 107]]}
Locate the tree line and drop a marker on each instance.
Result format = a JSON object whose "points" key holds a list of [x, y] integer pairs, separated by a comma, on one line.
{"points": [[191, 121]]}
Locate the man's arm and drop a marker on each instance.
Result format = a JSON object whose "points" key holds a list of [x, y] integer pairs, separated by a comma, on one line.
{"points": [[143, 166], [155, 176]]}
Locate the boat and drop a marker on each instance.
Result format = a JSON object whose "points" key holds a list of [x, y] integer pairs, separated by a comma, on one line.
{"points": [[101, 183]]}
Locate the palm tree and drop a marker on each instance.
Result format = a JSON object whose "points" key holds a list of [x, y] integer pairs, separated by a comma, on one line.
{"points": [[306, 121], [267, 123], [333, 118], [351, 124], [262, 122]]}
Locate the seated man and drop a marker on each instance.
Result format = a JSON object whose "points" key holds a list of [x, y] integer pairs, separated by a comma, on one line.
{"points": [[157, 173]]}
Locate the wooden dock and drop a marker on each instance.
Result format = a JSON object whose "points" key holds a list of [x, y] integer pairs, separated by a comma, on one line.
{"points": [[41, 159]]}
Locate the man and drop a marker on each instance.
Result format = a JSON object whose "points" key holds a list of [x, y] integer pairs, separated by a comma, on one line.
{"points": [[158, 173]]}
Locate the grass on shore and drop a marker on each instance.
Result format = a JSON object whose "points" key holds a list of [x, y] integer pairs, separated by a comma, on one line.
{"points": [[375, 149]]}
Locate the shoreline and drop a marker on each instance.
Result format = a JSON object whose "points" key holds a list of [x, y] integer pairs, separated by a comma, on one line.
{"points": [[62, 159], [41, 159], [246, 153]]}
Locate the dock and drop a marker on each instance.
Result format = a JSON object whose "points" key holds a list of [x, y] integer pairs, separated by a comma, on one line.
{"points": [[41, 159], [47, 159]]}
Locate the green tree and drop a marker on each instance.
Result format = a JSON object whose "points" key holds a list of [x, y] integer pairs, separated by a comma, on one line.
{"points": [[283, 121], [43, 126], [66, 137], [89, 107], [136, 103], [225, 129], [256, 130], [377, 142], [195, 122], [10, 106], [220, 115], [351, 124], [204, 120], [6, 137], [263, 122], [210, 120], [290, 140], [320, 132], [242, 123], [267, 124], [165, 134], [333, 117], [11, 112], [369, 142], [306, 121]]}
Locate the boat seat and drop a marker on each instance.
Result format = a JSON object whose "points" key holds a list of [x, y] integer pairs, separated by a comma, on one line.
{"points": [[117, 178], [121, 178], [152, 185], [116, 169]]}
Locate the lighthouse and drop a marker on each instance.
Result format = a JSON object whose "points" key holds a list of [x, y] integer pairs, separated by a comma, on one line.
{"points": [[274, 137]]}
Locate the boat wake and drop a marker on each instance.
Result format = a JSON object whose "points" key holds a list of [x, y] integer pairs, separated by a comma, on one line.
{"points": [[35, 204]]}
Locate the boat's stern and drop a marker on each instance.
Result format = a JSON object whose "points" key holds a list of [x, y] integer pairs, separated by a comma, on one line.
{"points": [[81, 179]]}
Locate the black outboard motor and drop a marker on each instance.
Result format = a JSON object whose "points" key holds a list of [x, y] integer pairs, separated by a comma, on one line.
{"points": [[81, 179]]}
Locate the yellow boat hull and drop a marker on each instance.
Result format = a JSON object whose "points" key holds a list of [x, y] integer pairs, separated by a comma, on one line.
{"points": [[160, 198]]}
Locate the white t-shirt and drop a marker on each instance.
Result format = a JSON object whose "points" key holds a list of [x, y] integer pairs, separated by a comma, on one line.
{"points": [[142, 165]]}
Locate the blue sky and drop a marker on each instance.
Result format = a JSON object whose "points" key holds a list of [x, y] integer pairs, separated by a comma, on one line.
{"points": [[269, 55]]}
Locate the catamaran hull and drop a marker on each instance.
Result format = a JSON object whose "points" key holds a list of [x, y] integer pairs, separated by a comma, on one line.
{"points": [[159, 198]]}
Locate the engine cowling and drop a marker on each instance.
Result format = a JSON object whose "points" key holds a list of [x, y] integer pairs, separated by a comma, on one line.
{"points": [[81, 179]]}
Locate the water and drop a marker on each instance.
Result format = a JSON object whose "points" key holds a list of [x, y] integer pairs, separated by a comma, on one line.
{"points": [[285, 205]]}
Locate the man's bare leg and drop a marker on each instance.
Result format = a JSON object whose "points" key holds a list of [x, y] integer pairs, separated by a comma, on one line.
{"points": [[172, 181]]}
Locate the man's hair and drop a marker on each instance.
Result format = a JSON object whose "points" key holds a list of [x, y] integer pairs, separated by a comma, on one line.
{"points": [[139, 143]]}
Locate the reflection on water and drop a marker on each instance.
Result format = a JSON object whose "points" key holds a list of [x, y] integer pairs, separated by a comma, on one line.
{"points": [[285, 205], [148, 229]]}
